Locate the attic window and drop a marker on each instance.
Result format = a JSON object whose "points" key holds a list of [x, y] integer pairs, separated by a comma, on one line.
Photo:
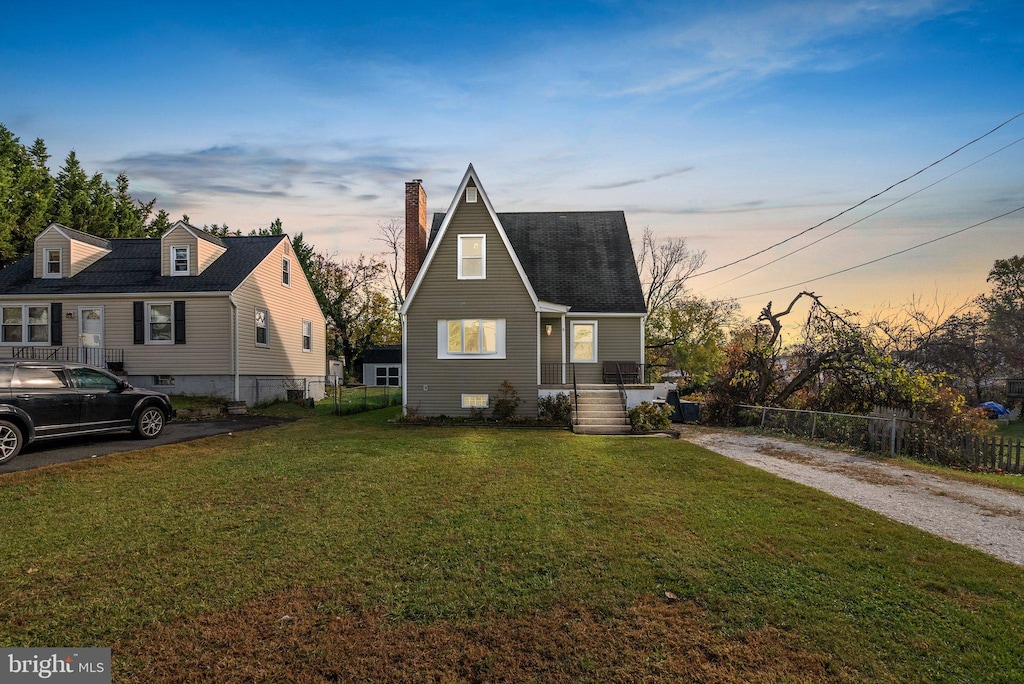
{"points": [[471, 195], [180, 261], [286, 271], [472, 257], [53, 264]]}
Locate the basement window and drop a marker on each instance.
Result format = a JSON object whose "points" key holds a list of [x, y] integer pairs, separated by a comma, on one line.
{"points": [[474, 401]]}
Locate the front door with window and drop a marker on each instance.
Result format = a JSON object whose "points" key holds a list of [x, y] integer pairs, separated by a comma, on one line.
{"points": [[90, 335]]}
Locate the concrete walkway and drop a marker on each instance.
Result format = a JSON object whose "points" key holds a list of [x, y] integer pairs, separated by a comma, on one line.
{"points": [[984, 518]]}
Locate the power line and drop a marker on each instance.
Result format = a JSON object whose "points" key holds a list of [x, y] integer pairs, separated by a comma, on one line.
{"points": [[862, 202], [887, 256], [874, 213]]}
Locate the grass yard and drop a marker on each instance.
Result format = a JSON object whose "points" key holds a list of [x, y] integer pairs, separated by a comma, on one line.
{"points": [[337, 549]]}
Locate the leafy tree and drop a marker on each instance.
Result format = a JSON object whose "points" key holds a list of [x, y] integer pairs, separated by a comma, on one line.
{"points": [[1005, 308], [359, 314], [26, 194], [962, 348]]}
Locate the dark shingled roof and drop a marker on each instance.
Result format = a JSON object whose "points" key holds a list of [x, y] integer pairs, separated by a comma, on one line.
{"points": [[581, 259], [134, 266], [388, 353], [82, 237]]}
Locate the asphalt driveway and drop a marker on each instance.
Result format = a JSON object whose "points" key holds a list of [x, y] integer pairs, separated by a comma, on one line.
{"points": [[51, 452]]}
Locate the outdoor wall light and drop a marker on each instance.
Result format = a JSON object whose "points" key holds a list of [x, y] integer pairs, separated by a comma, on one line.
{"points": [[547, 330]]}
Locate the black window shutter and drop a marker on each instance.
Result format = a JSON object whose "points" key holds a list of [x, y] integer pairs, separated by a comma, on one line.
{"points": [[139, 322], [56, 324], [179, 322]]}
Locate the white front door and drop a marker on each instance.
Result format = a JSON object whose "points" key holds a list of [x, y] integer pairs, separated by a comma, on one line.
{"points": [[90, 335]]}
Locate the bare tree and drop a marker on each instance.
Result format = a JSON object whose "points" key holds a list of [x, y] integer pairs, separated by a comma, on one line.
{"points": [[392, 234], [664, 265]]}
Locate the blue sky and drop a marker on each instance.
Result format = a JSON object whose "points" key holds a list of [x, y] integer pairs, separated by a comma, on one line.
{"points": [[733, 124]]}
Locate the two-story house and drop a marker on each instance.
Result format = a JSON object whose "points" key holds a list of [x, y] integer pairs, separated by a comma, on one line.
{"points": [[548, 301], [188, 313]]}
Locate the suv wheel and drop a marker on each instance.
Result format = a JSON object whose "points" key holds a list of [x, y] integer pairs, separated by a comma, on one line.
{"points": [[10, 441], [150, 423]]}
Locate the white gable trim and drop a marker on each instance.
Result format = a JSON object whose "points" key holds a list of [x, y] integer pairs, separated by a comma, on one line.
{"points": [[470, 173], [56, 227]]}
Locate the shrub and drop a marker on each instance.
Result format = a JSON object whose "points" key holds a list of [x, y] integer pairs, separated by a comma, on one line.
{"points": [[506, 403], [648, 416], [554, 409]]}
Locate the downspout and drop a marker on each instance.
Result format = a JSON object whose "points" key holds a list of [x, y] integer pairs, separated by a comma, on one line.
{"points": [[538, 350], [234, 340], [405, 365]]}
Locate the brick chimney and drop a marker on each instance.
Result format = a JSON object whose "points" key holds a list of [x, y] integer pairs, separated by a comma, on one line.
{"points": [[415, 230]]}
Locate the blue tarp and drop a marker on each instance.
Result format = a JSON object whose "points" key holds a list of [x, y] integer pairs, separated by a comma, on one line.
{"points": [[994, 408]]}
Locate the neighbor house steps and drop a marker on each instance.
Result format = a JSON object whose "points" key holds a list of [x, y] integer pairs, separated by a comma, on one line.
{"points": [[600, 412]]}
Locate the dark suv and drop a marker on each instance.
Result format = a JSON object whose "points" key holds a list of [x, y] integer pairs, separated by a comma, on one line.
{"points": [[42, 400]]}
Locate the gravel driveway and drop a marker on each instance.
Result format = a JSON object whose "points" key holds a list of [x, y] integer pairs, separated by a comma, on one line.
{"points": [[984, 518]]}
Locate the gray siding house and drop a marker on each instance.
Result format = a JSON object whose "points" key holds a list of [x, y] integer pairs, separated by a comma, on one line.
{"points": [[186, 313], [543, 300]]}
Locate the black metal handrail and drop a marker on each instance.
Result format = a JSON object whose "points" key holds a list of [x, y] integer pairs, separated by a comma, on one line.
{"points": [[576, 398], [621, 385], [102, 357]]}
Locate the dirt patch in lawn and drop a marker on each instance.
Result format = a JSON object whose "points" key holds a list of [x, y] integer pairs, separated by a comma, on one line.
{"points": [[864, 473], [309, 636]]}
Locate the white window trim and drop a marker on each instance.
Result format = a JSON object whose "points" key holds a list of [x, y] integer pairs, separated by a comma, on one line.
{"points": [[286, 267], [471, 195], [255, 337], [24, 325], [306, 325], [188, 260], [483, 257], [572, 342], [499, 341], [487, 399], [149, 321], [60, 262]]}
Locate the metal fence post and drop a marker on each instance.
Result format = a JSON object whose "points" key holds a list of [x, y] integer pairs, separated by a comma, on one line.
{"points": [[764, 411]]}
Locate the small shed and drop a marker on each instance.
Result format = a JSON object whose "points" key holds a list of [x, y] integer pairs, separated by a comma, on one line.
{"points": [[382, 366]]}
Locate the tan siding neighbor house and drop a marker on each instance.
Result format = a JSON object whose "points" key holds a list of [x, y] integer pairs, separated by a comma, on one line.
{"points": [[187, 313], [531, 299]]}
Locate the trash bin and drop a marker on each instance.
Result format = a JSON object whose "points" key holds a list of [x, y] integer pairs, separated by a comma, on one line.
{"points": [[683, 411]]}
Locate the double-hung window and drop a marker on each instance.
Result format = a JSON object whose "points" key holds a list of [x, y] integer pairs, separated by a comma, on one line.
{"points": [[472, 257], [307, 336], [180, 265], [52, 267], [584, 342], [262, 328], [159, 323], [25, 324], [286, 271]]}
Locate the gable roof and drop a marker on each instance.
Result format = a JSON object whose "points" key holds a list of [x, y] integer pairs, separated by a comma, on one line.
{"points": [[432, 248], [196, 232], [387, 353], [580, 259], [133, 265], [78, 235]]}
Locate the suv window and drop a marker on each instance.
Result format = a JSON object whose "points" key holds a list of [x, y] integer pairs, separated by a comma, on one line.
{"points": [[38, 378], [87, 378]]}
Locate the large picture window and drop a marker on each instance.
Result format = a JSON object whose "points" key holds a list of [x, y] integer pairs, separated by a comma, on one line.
{"points": [[472, 257], [584, 342], [471, 337], [25, 324]]}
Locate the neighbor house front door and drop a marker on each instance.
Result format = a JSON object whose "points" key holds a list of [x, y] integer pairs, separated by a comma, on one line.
{"points": [[90, 335]]}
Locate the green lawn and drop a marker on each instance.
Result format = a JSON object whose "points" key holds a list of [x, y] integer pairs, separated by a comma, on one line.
{"points": [[340, 548]]}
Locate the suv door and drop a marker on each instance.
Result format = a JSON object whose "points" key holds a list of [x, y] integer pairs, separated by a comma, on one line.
{"points": [[104, 404], [44, 393]]}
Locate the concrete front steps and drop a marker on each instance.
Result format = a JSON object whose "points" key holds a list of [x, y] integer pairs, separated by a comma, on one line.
{"points": [[600, 413]]}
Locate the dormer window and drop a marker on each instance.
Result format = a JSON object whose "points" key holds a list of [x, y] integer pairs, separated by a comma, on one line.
{"points": [[52, 267], [472, 261], [286, 271], [180, 265]]}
